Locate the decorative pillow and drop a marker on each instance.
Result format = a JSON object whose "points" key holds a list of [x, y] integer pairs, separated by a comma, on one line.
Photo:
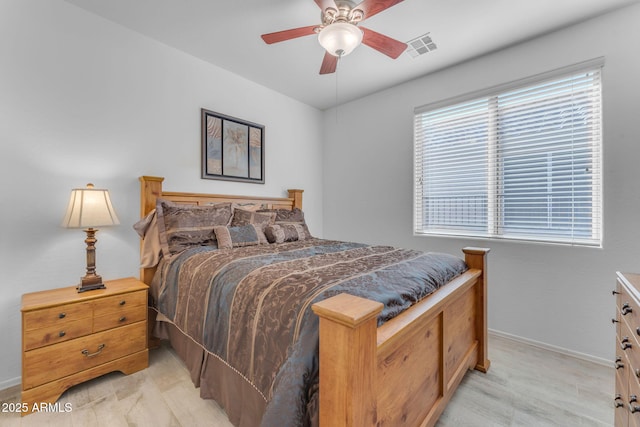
{"points": [[147, 229], [286, 232], [243, 235], [181, 226], [285, 215], [289, 217], [245, 217]]}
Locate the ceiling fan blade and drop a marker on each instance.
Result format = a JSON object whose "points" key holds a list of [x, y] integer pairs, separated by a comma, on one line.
{"points": [[373, 7], [323, 4], [329, 64], [384, 44], [294, 33]]}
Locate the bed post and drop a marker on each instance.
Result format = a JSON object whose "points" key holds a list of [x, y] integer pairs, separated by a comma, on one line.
{"points": [[296, 195], [477, 258], [348, 358], [150, 190]]}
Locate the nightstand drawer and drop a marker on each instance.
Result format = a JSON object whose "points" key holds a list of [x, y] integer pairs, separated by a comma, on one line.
{"points": [[57, 361], [57, 316], [64, 331], [120, 303], [129, 314]]}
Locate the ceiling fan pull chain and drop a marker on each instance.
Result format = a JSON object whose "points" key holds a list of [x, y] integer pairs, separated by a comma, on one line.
{"points": [[338, 61]]}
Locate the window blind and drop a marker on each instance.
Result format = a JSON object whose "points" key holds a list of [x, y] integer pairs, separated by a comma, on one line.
{"points": [[523, 162]]}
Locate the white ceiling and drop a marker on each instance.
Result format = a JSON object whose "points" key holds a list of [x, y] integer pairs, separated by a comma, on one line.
{"points": [[227, 34]]}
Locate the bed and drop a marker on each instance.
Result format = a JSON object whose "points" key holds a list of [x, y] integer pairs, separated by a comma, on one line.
{"points": [[369, 367]]}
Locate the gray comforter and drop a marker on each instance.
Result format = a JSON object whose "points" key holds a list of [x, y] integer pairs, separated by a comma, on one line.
{"points": [[250, 308]]}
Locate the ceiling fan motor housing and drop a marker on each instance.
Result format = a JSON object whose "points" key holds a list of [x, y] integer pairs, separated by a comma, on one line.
{"points": [[345, 12]]}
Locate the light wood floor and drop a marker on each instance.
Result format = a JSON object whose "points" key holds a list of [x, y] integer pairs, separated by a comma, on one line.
{"points": [[526, 386]]}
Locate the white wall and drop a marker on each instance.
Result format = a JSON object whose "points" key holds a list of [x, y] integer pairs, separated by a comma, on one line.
{"points": [[559, 296], [85, 100]]}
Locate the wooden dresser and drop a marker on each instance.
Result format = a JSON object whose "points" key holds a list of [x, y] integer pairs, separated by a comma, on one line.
{"points": [[70, 337], [627, 363]]}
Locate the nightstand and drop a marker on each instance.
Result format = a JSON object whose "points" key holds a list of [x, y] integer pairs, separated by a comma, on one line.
{"points": [[70, 337]]}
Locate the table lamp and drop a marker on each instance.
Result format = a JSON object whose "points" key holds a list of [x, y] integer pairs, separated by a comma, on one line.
{"points": [[88, 208]]}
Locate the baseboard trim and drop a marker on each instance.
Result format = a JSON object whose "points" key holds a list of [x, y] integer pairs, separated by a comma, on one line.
{"points": [[556, 349], [10, 382], [9, 388]]}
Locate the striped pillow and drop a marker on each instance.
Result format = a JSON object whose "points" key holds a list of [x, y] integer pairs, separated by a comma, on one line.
{"points": [[235, 237], [286, 232]]}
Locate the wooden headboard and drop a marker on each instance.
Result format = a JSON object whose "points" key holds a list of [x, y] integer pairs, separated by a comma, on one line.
{"points": [[151, 190]]}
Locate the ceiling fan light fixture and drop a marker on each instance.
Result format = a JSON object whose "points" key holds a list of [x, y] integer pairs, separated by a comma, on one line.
{"points": [[340, 38]]}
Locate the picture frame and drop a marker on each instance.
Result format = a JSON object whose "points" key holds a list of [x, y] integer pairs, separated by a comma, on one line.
{"points": [[232, 148]]}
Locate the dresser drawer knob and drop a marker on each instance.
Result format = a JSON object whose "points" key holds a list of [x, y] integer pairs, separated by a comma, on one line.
{"points": [[625, 344], [618, 403], [626, 309], [62, 333], [638, 373], [615, 320], [618, 363], [614, 292], [123, 319], [62, 315], [123, 302], [87, 354]]}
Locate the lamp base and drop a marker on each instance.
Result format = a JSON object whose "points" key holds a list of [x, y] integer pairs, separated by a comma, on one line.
{"points": [[90, 283]]}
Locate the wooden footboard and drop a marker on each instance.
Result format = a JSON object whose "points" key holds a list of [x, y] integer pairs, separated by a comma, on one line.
{"points": [[406, 371]]}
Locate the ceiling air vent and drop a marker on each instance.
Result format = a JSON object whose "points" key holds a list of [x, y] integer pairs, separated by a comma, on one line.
{"points": [[421, 45]]}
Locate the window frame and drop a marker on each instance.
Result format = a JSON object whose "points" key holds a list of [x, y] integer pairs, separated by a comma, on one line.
{"points": [[495, 213]]}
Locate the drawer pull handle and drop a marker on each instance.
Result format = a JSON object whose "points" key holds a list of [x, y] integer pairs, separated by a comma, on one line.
{"points": [[625, 344], [87, 354], [62, 315], [626, 309], [633, 408], [615, 321], [62, 333], [123, 318], [618, 403], [638, 373], [618, 364], [123, 302], [614, 292]]}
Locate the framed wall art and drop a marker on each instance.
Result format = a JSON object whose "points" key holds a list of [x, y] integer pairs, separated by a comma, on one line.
{"points": [[232, 149]]}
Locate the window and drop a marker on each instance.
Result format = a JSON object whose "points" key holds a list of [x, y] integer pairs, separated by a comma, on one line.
{"points": [[522, 161]]}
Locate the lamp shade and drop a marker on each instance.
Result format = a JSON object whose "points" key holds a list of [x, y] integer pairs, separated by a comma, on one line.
{"points": [[89, 207], [340, 38]]}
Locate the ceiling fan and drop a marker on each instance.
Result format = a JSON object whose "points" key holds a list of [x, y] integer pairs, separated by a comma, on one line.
{"points": [[339, 32]]}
